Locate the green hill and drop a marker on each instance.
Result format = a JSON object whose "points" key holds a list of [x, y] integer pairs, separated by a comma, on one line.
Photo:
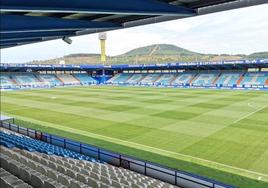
{"points": [[160, 49], [157, 53], [259, 55]]}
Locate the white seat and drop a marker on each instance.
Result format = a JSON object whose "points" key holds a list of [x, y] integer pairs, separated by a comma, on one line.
{"points": [[83, 171], [16, 157], [93, 183], [106, 180], [23, 185], [23, 160], [63, 180], [52, 165], [4, 162], [53, 158], [67, 165], [82, 178], [25, 175], [77, 169], [36, 180], [41, 169], [71, 173], [10, 181], [53, 184], [29, 155], [95, 176], [51, 174], [32, 165], [14, 168], [36, 158], [44, 162], [61, 169], [76, 184]]}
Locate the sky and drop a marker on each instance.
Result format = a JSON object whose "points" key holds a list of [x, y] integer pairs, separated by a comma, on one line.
{"points": [[240, 31]]}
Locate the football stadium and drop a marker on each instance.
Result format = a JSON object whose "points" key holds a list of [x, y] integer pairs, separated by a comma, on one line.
{"points": [[195, 124]]}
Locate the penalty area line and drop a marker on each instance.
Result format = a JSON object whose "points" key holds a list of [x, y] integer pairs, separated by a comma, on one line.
{"points": [[249, 114]]}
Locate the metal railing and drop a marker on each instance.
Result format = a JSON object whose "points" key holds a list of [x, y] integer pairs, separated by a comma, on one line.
{"points": [[172, 176]]}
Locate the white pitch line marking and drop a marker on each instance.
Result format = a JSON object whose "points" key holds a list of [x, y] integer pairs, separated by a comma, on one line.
{"points": [[143, 147], [249, 114]]}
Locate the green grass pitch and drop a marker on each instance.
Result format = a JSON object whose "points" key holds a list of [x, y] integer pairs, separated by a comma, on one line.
{"points": [[221, 134]]}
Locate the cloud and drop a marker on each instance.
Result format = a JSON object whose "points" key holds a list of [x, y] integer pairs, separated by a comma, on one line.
{"points": [[124, 40]]}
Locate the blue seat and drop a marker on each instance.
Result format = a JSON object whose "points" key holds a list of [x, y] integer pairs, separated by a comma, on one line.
{"points": [[29, 144]]}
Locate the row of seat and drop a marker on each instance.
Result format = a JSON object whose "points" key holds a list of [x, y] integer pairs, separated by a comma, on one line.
{"points": [[65, 171], [51, 171], [14, 80], [201, 79], [26, 170], [13, 140], [24, 79], [8, 180]]}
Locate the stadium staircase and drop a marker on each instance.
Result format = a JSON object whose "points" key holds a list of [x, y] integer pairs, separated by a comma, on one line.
{"points": [[38, 78], [51, 78], [172, 80], [157, 78], [136, 79], [128, 78], [240, 79], [143, 76], [216, 79], [193, 78], [25, 165], [59, 79], [74, 77], [14, 81]]}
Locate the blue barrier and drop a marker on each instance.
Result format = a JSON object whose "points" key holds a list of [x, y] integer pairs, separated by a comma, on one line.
{"points": [[5, 66], [191, 86], [172, 176]]}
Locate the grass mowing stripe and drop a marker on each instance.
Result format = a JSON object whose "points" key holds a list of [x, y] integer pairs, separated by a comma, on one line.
{"points": [[214, 110], [251, 113], [188, 158]]}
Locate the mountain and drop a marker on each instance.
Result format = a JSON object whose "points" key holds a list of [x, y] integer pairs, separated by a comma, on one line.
{"points": [[160, 49], [259, 55], [157, 53]]}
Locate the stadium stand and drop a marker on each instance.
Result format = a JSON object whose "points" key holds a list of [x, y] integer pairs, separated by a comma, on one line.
{"points": [[254, 79], [216, 79], [6, 82], [119, 78], [36, 145], [135, 78], [51, 78], [204, 79], [24, 167], [150, 78], [85, 79], [183, 79], [225, 79], [165, 79], [24, 78], [68, 79], [228, 79]]}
